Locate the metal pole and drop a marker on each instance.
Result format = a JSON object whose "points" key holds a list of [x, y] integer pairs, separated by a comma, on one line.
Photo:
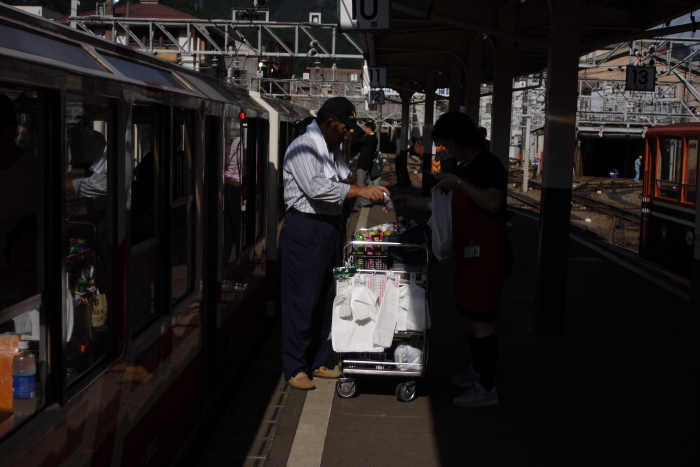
{"points": [[526, 145]]}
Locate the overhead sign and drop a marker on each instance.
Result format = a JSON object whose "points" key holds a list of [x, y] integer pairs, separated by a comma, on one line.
{"points": [[376, 97], [376, 76], [641, 78], [364, 15]]}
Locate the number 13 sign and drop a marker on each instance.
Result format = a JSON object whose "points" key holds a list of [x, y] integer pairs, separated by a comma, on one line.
{"points": [[641, 78]]}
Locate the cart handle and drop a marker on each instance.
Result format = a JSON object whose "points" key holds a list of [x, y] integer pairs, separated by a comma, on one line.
{"points": [[413, 245]]}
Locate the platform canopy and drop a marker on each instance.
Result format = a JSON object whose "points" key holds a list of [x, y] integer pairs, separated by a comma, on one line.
{"points": [[429, 35]]}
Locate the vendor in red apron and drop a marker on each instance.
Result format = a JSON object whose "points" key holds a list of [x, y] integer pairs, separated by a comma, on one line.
{"points": [[480, 247]]}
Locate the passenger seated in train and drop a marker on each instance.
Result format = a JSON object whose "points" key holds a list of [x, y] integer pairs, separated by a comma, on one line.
{"points": [[89, 144]]}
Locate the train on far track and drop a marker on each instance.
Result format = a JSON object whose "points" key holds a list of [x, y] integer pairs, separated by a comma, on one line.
{"points": [[141, 208], [669, 196]]}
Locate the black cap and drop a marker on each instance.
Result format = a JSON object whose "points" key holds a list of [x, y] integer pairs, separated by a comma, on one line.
{"points": [[345, 111]]}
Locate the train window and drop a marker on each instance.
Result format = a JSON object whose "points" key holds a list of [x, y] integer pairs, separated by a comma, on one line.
{"points": [[136, 71], [233, 197], [669, 168], [691, 171], [182, 216], [261, 143], [33, 43], [21, 255], [247, 184], [89, 139], [145, 215]]}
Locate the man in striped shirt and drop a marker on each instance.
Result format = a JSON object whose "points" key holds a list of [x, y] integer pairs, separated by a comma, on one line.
{"points": [[313, 174]]}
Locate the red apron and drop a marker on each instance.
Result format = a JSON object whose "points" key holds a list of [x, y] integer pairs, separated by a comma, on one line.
{"points": [[478, 281]]}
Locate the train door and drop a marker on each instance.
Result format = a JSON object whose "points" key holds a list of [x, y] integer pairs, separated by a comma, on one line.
{"points": [[690, 180], [213, 257]]}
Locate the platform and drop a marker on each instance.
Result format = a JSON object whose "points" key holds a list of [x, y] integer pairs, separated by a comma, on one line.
{"points": [[608, 393]]}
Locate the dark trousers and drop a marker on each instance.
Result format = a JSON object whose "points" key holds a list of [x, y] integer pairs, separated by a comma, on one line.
{"points": [[310, 249]]}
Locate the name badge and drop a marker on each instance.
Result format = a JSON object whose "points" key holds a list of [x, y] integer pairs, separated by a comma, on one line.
{"points": [[472, 251]]}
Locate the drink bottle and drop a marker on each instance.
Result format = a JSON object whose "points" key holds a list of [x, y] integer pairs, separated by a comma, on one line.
{"points": [[24, 380]]}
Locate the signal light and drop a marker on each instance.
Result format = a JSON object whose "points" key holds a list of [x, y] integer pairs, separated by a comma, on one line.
{"points": [[242, 115]]}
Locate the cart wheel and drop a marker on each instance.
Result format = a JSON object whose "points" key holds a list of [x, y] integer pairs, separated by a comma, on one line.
{"points": [[406, 392], [346, 388]]}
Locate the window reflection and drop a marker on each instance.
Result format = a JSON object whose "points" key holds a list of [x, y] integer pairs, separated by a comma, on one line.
{"points": [[89, 138], [233, 198], [670, 168], [182, 230], [145, 239]]}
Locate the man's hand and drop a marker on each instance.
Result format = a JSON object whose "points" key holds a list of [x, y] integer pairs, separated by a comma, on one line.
{"points": [[373, 192]]}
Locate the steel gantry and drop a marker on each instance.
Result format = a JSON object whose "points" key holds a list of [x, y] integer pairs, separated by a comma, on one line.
{"points": [[224, 37]]}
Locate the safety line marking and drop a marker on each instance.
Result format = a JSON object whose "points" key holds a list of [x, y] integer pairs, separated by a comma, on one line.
{"points": [[310, 438]]}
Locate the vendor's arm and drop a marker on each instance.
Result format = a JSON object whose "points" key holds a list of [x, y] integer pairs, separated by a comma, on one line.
{"points": [[490, 199]]}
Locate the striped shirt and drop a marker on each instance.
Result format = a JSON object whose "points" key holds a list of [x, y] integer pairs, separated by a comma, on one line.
{"points": [[96, 184], [306, 187]]}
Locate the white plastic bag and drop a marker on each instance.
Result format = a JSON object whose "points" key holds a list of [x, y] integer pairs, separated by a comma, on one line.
{"points": [[386, 324], [350, 332], [413, 312], [364, 302], [409, 353], [441, 224]]}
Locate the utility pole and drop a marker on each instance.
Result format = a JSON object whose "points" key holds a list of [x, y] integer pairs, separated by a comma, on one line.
{"points": [[526, 144]]}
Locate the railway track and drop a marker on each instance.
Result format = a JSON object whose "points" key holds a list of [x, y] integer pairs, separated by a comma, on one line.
{"points": [[621, 227]]}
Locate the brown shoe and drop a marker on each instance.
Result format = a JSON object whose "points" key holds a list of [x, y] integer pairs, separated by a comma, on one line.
{"points": [[301, 381], [324, 372]]}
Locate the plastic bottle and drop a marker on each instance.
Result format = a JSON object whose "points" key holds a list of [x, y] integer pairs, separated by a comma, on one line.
{"points": [[24, 380], [389, 203]]}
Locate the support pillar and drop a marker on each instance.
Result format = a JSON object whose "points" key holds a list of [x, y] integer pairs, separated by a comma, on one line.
{"points": [[559, 146], [472, 90], [403, 180], [455, 86], [428, 178], [503, 89]]}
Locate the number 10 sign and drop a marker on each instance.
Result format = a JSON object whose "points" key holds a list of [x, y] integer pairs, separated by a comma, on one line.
{"points": [[641, 78]]}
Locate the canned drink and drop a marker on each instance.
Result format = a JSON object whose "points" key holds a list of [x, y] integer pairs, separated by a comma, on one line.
{"points": [[389, 203]]}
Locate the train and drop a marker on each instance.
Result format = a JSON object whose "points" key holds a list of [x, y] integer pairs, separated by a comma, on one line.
{"points": [[139, 230], [669, 195]]}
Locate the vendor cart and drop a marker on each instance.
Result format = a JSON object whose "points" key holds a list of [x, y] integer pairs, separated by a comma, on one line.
{"points": [[374, 271]]}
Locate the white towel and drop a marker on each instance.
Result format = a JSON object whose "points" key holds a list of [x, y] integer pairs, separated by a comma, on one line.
{"points": [[363, 303], [335, 167], [384, 334]]}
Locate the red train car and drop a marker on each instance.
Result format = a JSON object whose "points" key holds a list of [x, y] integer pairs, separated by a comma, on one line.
{"points": [[669, 195], [138, 229]]}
